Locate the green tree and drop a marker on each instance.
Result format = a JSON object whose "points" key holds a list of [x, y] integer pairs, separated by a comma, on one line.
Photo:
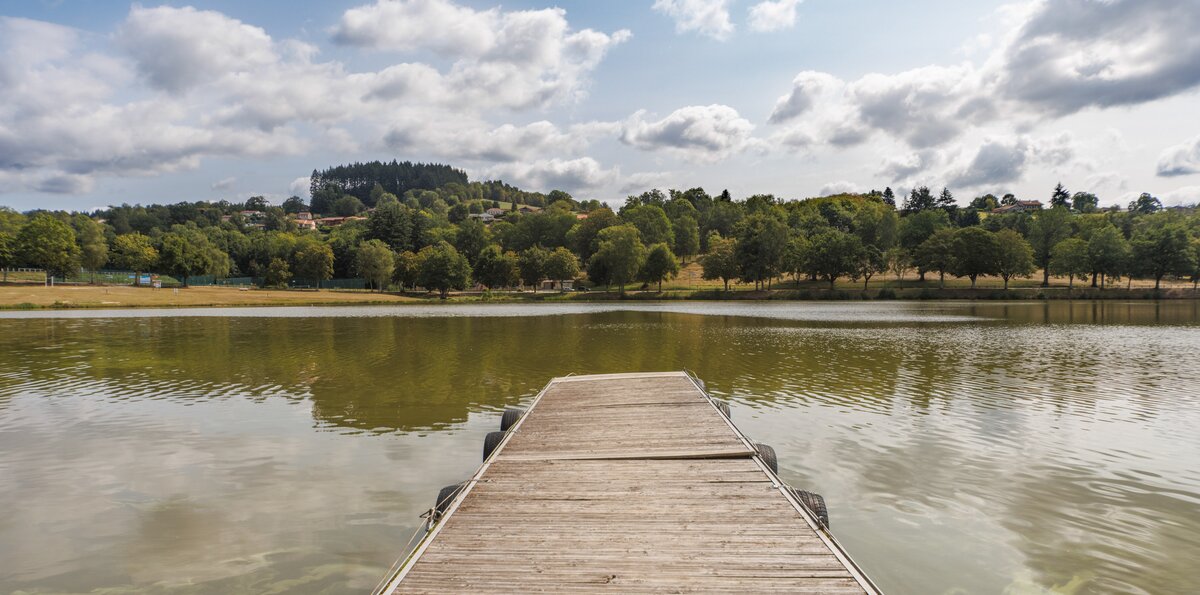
{"points": [[975, 252], [946, 200], [440, 267], [834, 253], [135, 252], [93, 246], [918, 227], [375, 262], [723, 217], [391, 223], [795, 258], [987, 202], [937, 254], [1108, 252], [621, 254], [531, 263], [920, 199], [1145, 204], [348, 206], [870, 261], [471, 238], [1084, 202], [1069, 258], [277, 220], [1060, 197], [293, 205], [652, 223], [405, 273], [458, 213], [314, 261], [898, 262], [660, 265], [1014, 257], [876, 225], [1049, 227], [561, 265], [278, 273], [48, 243], [1161, 248], [496, 268], [185, 252], [8, 252], [583, 236], [761, 246], [687, 235], [1195, 274], [721, 260]]}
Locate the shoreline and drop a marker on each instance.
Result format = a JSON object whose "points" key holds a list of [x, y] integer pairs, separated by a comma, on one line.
{"points": [[101, 297]]}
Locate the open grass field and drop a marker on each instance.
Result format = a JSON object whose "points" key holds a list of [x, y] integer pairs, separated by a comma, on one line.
{"points": [[29, 294], [89, 296]]}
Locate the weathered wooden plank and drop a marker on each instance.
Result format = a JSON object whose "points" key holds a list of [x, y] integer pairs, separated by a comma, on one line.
{"points": [[628, 484]]}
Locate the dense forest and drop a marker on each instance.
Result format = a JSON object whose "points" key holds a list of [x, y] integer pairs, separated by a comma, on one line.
{"points": [[459, 233]]}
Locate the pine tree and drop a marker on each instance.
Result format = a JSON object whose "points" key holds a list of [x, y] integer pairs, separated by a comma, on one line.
{"points": [[1060, 198], [946, 200], [889, 196], [920, 199]]}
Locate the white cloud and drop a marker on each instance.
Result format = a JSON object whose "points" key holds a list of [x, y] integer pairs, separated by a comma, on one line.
{"points": [[1005, 160], [808, 88], [840, 187], [474, 140], [178, 85], [571, 175], [224, 184], [1057, 59], [706, 17], [1068, 55], [642, 181], [409, 25], [1186, 195], [180, 48], [300, 187], [1180, 160], [515, 59], [996, 162], [773, 15], [697, 131]]}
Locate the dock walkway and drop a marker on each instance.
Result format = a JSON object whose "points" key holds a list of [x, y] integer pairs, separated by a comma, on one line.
{"points": [[626, 483]]}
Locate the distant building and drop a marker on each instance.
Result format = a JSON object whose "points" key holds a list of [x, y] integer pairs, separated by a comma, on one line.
{"points": [[304, 216], [306, 224], [552, 284], [252, 215], [495, 212], [581, 216], [1020, 206], [336, 221]]}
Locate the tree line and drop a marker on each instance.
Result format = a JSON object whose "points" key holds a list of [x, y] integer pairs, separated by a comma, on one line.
{"points": [[428, 239]]}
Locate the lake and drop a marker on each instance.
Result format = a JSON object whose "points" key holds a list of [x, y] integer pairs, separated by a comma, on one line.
{"points": [[962, 447]]}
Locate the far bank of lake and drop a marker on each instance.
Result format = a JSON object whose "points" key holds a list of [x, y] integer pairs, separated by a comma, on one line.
{"points": [[36, 297]]}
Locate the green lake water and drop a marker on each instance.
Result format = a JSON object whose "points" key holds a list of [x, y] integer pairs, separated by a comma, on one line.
{"points": [[961, 447]]}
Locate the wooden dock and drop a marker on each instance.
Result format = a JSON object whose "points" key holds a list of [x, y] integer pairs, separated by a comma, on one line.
{"points": [[626, 483]]}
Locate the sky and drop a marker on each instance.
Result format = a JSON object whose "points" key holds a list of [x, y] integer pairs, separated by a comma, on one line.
{"points": [[106, 102]]}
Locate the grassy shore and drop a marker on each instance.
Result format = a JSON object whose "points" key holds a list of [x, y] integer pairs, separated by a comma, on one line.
{"points": [[31, 297], [28, 296], [689, 285]]}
